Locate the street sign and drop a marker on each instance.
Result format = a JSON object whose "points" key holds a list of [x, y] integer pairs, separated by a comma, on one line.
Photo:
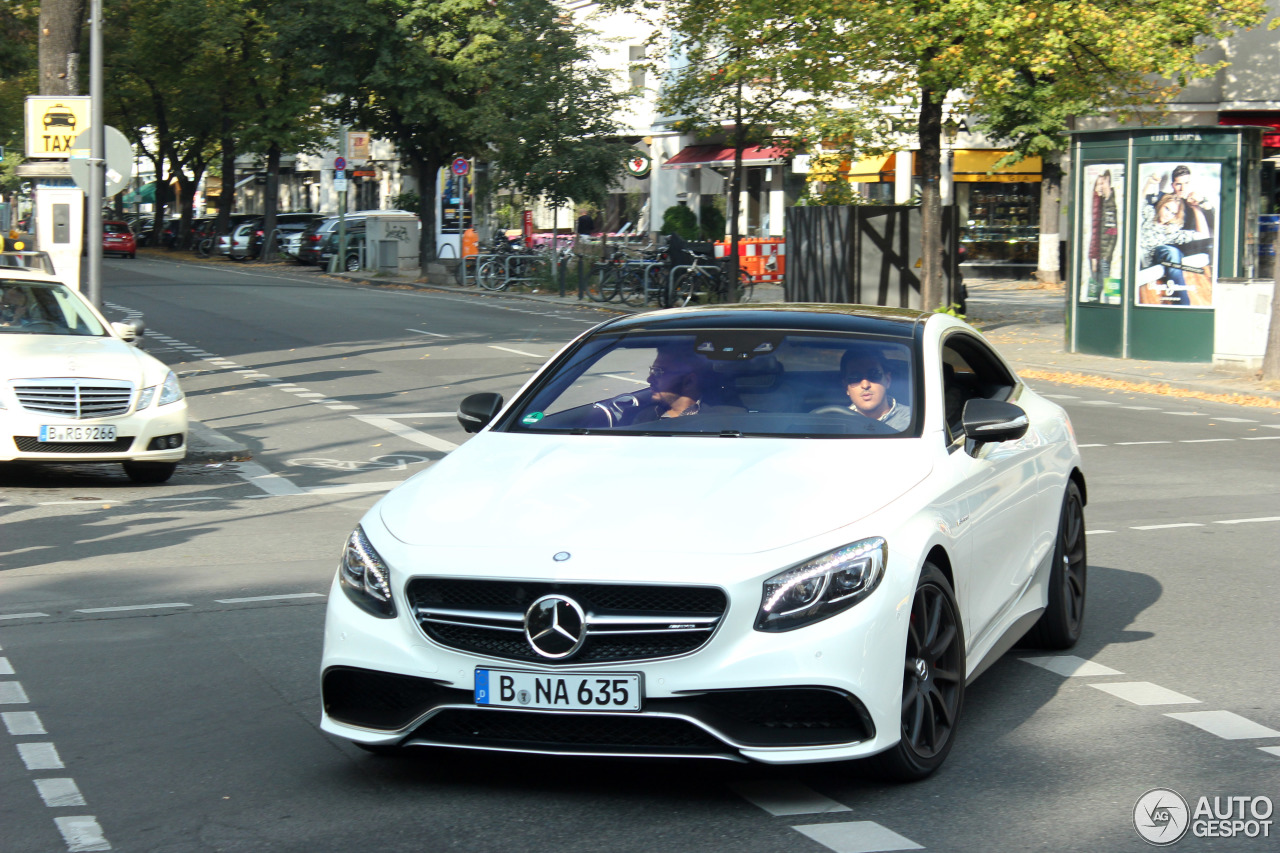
{"points": [[340, 164], [340, 184], [460, 166], [358, 145], [54, 123], [119, 157]]}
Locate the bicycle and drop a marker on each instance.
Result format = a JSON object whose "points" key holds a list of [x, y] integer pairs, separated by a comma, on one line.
{"points": [[707, 279]]}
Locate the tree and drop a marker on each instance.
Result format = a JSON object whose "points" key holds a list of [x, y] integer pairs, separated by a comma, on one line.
{"points": [[61, 22], [18, 71]]}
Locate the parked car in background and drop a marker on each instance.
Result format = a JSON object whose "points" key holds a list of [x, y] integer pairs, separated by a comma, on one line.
{"points": [[289, 226], [356, 247], [238, 244], [118, 239]]}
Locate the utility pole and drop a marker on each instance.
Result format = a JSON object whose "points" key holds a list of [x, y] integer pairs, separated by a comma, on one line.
{"points": [[97, 156]]}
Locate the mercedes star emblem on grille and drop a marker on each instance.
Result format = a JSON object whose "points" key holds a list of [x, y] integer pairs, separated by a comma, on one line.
{"points": [[555, 626]]}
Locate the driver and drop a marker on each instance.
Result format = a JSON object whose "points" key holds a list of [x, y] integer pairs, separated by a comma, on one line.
{"points": [[867, 381]]}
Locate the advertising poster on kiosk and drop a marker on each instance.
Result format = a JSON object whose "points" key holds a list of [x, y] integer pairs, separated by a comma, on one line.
{"points": [[1177, 234], [1103, 212]]}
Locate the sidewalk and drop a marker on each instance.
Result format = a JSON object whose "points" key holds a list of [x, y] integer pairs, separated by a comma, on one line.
{"points": [[1024, 320]]}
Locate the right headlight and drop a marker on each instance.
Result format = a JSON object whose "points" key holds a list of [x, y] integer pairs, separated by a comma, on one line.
{"points": [[365, 578], [823, 586]]}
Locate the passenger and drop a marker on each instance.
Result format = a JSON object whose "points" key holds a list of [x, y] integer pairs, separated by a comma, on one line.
{"points": [[867, 381], [675, 380], [16, 308]]}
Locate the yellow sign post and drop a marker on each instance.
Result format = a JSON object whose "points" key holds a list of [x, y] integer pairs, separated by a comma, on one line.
{"points": [[54, 123]]}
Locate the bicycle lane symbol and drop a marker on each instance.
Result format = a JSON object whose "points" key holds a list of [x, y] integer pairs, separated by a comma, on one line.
{"points": [[390, 462]]}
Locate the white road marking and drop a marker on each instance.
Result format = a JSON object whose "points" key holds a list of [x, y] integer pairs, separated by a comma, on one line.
{"points": [[1168, 526], [1092, 445], [1097, 403], [269, 597], [1061, 396], [861, 836], [626, 378], [6, 668], [128, 607], [516, 351], [1145, 693], [82, 834], [41, 755], [23, 723], [432, 334], [391, 423], [786, 797], [1071, 666], [342, 407], [353, 488], [59, 793], [1096, 532], [309, 394], [1140, 408], [1249, 520], [272, 484], [1261, 438], [1271, 750], [1188, 414], [1236, 420], [1225, 724], [1127, 443], [11, 693], [1202, 440]]}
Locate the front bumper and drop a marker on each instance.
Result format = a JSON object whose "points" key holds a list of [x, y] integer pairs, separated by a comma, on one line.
{"points": [[140, 437], [829, 691]]}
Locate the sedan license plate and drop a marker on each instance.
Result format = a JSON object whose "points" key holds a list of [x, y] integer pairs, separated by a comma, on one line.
{"points": [[100, 433], [561, 691]]}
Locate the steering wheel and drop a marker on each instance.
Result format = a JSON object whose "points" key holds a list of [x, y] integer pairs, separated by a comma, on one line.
{"points": [[618, 408], [834, 409]]}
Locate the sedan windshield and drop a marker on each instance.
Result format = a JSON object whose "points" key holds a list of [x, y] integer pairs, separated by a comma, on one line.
{"points": [[728, 382], [44, 308]]}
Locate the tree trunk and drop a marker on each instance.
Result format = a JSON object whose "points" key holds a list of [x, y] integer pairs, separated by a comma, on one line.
{"points": [[735, 197], [1271, 361], [227, 195], [1050, 205], [61, 22], [931, 247], [427, 170], [271, 202]]}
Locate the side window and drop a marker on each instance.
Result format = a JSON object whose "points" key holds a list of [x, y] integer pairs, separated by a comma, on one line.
{"points": [[970, 370]]}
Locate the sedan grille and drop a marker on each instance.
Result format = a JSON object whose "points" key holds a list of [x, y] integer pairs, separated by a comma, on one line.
{"points": [[75, 398], [634, 735], [32, 444], [624, 622]]}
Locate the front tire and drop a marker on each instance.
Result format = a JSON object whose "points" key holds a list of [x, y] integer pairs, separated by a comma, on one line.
{"points": [[932, 684], [1061, 623], [150, 472]]}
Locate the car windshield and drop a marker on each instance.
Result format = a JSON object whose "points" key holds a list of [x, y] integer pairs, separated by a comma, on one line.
{"points": [[45, 308], [728, 382]]}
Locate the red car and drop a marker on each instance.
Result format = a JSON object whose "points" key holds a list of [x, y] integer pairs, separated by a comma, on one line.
{"points": [[118, 239]]}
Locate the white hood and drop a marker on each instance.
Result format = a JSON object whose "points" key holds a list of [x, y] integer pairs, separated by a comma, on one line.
{"points": [[676, 495], [67, 356]]}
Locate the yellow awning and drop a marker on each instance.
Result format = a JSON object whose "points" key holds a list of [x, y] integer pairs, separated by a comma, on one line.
{"points": [[972, 166], [870, 169]]}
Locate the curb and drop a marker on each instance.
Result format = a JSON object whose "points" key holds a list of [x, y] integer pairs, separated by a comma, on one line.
{"points": [[205, 444]]}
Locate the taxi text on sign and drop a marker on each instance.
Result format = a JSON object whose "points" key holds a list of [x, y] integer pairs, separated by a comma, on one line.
{"points": [[53, 125]]}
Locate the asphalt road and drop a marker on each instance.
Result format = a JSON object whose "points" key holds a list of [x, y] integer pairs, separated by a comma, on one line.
{"points": [[159, 646]]}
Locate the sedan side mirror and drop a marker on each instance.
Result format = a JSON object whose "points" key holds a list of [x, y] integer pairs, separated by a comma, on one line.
{"points": [[476, 410], [990, 421], [130, 330]]}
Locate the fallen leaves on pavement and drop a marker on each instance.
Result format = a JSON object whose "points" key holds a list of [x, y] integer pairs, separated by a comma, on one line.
{"points": [[1080, 379]]}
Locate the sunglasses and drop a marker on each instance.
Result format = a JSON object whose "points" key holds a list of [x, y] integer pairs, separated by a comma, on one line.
{"points": [[873, 374]]}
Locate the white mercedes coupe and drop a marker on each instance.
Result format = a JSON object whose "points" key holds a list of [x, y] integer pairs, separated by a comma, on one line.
{"points": [[773, 533]]}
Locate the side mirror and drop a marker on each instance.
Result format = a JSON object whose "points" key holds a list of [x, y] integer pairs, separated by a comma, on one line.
{"points": [[991, 421], [476, 410], [130, 330]]}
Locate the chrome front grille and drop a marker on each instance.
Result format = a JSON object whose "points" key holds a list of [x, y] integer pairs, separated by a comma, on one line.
{"points": [[74, 398], [624, 622]]}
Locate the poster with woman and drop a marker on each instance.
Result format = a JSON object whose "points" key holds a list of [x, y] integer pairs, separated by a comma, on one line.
{"points": [[1103, 211], [1177, 237]]}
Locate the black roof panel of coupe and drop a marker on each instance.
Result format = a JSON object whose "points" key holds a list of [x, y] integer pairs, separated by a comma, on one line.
{"points": [[808, 316]]}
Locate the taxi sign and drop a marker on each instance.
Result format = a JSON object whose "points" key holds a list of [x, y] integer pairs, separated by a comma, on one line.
{"points": [[53, 125]]}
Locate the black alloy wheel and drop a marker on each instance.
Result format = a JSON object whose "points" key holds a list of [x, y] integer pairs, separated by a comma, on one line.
{"points": [[1061, 623], [932, 682]]}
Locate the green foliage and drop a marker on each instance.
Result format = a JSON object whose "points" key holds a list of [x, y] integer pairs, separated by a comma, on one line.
{"points": [[18, 36], [406, 201], [679, 219], [712, 222]]}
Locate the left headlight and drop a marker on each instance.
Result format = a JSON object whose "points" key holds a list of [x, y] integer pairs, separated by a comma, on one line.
{"points": [[823, 586], [170, 392], [365, 578]]}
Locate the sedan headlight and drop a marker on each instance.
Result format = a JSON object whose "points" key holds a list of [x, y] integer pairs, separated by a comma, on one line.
{"points": [[823, 586], [365, 578], [170, 392]]}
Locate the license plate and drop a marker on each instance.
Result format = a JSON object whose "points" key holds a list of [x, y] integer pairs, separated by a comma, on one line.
{"points": [[562, 691], [102, 432]]}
